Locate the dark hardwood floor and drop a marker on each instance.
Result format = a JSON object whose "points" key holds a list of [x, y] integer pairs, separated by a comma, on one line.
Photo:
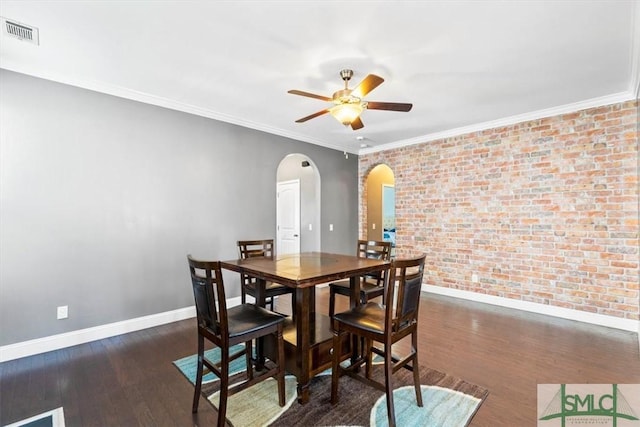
{"points": [[129, 380]]}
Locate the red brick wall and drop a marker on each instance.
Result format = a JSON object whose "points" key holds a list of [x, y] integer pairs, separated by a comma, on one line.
{"points": [[544, 211]]}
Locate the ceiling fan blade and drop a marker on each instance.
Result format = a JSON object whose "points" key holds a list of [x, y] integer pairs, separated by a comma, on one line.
{"points": [[357, 124], [393, 106], [312, 116], [367, 85], [310, 95]]}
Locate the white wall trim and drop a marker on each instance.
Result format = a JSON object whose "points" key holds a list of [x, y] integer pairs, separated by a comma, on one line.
{"points": [[81, 336], [171, 104], [134, 95], [506, 121], [635, 52], [561, 312]]}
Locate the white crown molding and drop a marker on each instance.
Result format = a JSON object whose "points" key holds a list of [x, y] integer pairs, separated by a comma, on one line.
{"points": [[146, 98], [122, 92], [507, 121], [561, 312], [635, 52]]}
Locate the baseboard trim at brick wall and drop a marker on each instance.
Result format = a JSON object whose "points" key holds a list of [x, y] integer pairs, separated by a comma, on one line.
{"points": [[564, 313], [81, 336]]}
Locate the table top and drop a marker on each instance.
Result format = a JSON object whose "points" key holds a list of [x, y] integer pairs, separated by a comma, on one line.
{"points": [[305, 269]]}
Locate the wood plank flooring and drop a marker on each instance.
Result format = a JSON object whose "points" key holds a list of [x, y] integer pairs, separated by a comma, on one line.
{"points": [[129, 380]]}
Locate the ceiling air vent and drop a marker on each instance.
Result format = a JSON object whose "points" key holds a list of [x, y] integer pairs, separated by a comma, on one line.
{"points": [[20, 31]]}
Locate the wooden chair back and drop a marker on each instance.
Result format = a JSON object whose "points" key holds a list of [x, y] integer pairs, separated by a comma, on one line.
{"points": [[403, 293], [375, 249], [209, 295], [256, 248]]}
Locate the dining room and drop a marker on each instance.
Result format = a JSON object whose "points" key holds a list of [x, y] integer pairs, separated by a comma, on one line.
{"points": [[528, 218]]}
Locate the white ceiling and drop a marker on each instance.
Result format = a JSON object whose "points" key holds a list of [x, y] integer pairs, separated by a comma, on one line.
{"points": [[465, 65]]}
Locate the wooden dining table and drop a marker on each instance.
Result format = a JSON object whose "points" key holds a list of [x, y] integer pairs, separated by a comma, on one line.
{"points": [[308, 336]]}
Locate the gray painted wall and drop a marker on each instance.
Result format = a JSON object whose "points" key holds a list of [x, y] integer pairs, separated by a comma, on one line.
{"points": [[101, 199]]}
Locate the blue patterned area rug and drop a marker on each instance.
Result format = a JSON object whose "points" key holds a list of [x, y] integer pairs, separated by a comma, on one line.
{"points": [[448, 401], [54, 418]]}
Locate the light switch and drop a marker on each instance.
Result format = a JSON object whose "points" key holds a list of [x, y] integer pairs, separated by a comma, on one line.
{"points": [[373, 225], [330, 227], [310, 227]]}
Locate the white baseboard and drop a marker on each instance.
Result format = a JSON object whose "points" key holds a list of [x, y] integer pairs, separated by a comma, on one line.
{"points": [[564, 313], [69, 339], [81, 336]]}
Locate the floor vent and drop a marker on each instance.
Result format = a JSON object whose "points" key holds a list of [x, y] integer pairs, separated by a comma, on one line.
{"points": [[20, 31]]}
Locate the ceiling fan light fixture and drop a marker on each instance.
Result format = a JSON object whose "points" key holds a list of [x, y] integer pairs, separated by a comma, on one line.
{"points": [[346, 113], [349, 103]]}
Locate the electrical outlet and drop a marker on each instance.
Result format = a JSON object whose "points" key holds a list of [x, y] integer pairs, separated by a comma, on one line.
{"points": [[373, 225], [474, 278], [310, 227], [63, 312]]}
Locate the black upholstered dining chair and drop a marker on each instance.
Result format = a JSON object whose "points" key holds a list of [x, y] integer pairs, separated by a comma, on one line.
{"points": [[385, 324], [263, 249], [225, 328], [371, 286]]}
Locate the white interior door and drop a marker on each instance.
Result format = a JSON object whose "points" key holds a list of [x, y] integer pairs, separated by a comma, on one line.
{"points": [[288, 217]]}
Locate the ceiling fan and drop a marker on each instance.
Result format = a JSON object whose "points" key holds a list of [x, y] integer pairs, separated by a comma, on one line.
{"points": [[349, 103]]}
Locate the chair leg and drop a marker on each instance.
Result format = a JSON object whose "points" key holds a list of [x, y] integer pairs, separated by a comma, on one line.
{"points": [[388, 373], [416, 368], [224, 388], [198, 384], [281, 389], [335, 364], [369, 355], [248, 348]]}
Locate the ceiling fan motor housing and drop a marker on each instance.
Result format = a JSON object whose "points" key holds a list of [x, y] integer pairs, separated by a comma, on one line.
{"points": [[346, 75], [344, 97]]}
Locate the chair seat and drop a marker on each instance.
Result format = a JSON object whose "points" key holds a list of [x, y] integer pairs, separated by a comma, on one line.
{"points": [[247, 318], [369, 317]]}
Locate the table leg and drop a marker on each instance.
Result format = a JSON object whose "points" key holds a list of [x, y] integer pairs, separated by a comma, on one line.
{"points": [[261, 286], [303, 340], [354, 281]]}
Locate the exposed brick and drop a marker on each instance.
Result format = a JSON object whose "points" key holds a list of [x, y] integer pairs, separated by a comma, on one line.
{"points": [[544, 211]]}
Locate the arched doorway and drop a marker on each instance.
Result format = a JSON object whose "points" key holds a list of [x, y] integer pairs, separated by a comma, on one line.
{"points": [[381, 217], [299, 168]]}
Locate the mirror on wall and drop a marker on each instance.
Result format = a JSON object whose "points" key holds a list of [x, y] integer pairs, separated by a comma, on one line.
{"points": [[381, 204]]}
